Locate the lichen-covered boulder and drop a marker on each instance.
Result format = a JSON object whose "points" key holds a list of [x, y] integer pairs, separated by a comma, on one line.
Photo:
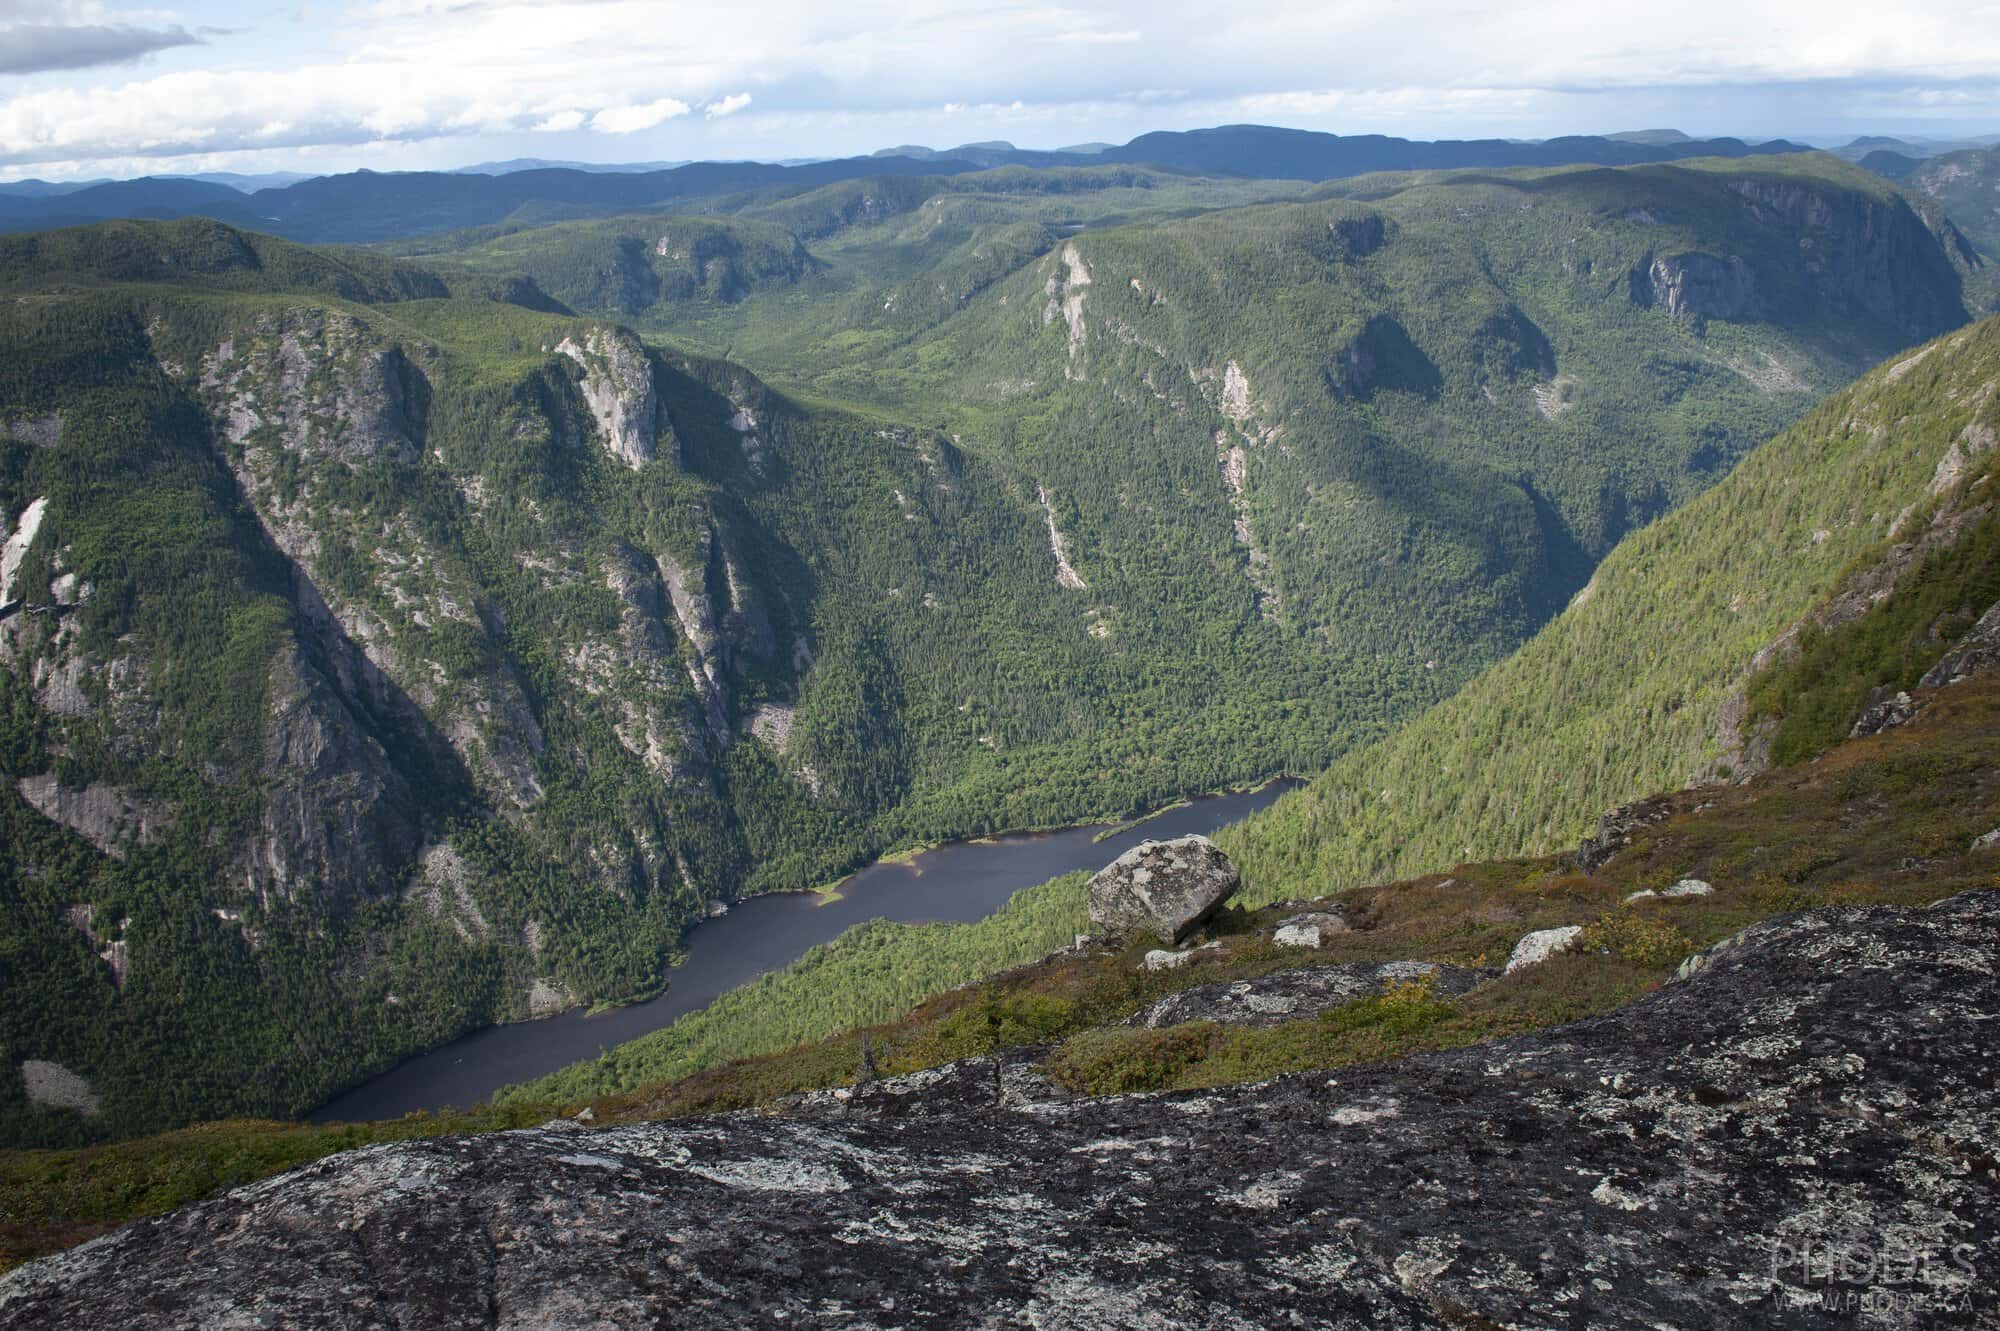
{"points": [[1539, 946], [1164, 887]]}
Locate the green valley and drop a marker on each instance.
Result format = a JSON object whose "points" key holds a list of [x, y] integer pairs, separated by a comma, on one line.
{"points": [[400, 640]]}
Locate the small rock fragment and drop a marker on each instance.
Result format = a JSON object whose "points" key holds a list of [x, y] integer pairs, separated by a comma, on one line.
{"points": [[1686, 887], [1309, 929]]}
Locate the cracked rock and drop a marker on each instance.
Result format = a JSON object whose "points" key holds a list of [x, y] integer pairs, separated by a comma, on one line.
{"points": [[1828, 1082]]}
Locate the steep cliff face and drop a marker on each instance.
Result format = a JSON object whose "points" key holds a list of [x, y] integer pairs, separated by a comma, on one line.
{"points": [[1690, 1160], [427, 676], [618, 385], [1871, 255], [339, 822], [1698, 284], [275, 668]]}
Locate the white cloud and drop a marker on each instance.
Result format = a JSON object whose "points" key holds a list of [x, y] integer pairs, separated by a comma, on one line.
{"points": [[632, 119], [427, 77]]}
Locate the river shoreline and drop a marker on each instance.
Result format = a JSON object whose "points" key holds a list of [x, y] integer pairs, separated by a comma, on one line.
{"points": [[959, 881]]}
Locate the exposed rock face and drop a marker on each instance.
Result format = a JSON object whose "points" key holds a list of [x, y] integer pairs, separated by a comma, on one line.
{"points": [[35, 431], [1307, 992], [1066, 574], [1686, 887], [55, 1086], [1066, 292], [1827, 1086], [1010, 1079], [694, 609], [319, 378], [1885, 710], [1166, 959], [1874, 256], [1167, 887], [618, 385], [1616, 829], [14, 550], [1975, 653], [337, 814], [105, 816], [1698, 284], [650, 729]]}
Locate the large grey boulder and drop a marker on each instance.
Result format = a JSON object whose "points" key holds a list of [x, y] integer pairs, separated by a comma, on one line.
{"points": [[1165, 887], [1539, 946], [1805, 1123]]}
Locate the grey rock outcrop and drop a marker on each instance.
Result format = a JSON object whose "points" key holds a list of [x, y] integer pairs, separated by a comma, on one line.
{"points": [[618, 386], [1885, 709], [1828, 1084], [1686, 887], [1698, 284], [1166, 887], [1616, 829], [323, 384], [1975, 653], [1873, 256], [105, 816], [338, 816], [1011, 1079], [1289, 995]]}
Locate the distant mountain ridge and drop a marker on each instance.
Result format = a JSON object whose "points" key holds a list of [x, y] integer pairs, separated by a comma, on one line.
{"points": [[364, 206]]}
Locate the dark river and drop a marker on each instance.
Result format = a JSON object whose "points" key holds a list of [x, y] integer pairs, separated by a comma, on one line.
{"points": [[962, 881]]}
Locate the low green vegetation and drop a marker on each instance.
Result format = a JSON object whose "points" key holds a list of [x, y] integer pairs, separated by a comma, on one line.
{"points": [[1815, 694]]}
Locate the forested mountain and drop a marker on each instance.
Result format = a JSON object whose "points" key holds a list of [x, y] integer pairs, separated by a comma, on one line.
{"points": [[1407, 414], [380, 664], [364, 206], [1899, 813], [1966, 184], [396, 644], [1697, 651], [1748, 631]]}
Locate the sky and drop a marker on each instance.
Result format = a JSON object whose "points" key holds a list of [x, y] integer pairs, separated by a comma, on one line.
{"points": [[94, 88]]}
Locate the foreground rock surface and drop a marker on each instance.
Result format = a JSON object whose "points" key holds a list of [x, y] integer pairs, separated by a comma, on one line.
{"points": [[1825, 1082], [1166, 887], [1285, 996]]}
